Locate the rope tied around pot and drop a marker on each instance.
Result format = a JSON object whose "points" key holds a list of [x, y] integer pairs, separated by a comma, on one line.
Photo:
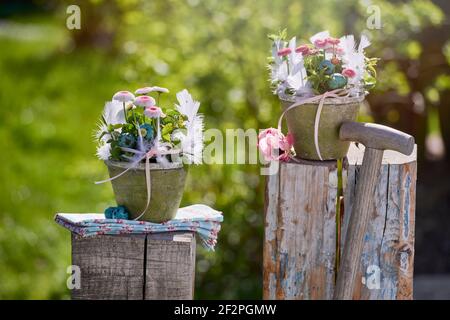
{"points": [[338, 93], [154, 151]]}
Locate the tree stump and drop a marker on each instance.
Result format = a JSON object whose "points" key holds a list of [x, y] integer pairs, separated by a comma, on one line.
{"points": [[301, 229], [135, 267]]}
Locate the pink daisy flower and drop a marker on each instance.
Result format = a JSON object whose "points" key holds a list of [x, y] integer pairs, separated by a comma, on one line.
{"points": [[123, 96], [160, 89], [333, 41], [154, 112], [321, 43], [303, 49], [143, 90], [284, 52], [144, 101]]}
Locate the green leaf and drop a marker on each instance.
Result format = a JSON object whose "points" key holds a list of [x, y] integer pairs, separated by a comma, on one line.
{"points": [[116, 152], [369, 81], [167, 129], [166, 137]]}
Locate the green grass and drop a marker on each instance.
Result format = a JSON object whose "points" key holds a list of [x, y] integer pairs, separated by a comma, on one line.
{"points": [[49, 104]]}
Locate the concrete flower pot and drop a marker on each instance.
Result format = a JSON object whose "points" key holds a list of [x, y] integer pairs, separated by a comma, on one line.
{"points": [[167, 186], [335, 111]]}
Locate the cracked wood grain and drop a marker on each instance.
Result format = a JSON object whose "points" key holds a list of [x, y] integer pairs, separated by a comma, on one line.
{"points": [[300, 229], [130, 267], [387, 260], [300, 242]]}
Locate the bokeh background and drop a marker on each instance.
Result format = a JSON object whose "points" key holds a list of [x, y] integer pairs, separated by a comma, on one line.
{"points": [[54, 82]]}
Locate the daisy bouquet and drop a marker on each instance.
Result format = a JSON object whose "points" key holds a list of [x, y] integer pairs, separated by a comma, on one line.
{"points": [[328, 73], [135, 126], [324, 64]]}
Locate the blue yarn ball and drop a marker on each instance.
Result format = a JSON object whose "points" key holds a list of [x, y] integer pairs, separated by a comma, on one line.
{"points": [[127, 140], [119, 212], [328, 66], [148, 131], [337, 81]]}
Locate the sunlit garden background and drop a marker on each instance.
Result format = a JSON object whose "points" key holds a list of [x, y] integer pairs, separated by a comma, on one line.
{"points": [[54, 83]]}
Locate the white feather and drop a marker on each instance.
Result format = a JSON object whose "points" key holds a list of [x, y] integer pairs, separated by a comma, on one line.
{"points": [[348, 43], [192, 142], [295, 81], [294, 57], [187, 105], [363, 43], [305, 91], [113, 112], [163, 161], [100, 132], [276, 46], [353, 58], [320, 35], [104, 151], [281, 72]]}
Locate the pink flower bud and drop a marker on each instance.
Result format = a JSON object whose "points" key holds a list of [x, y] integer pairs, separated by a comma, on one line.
{"points": [[333, 41], [321, 43], [349, 73], [303, 49], [312, 52], [284, 52]]}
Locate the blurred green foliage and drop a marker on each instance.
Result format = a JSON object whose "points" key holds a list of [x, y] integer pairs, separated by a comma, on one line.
{"points": [[54, 83]]}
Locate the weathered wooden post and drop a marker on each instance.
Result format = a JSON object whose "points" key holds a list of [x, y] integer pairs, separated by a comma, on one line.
{"points": [[300, 229], [153, 266], [387, 262]]}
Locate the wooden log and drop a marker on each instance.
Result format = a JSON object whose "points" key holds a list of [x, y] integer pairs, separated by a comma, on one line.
{"points": [[300, 231], [111, 267], [387, 261], [129, 267], [170, 268]]}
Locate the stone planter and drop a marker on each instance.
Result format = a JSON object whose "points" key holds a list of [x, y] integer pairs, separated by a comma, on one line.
{"points": [[335, 111], [167, 186]]}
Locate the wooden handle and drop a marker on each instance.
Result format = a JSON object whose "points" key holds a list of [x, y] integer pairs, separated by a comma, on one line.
{"points": [[354, 240], [377, 136]]}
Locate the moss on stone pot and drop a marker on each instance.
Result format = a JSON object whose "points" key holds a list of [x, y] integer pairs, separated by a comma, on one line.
{"points": [[335, 111], [167, 187]]}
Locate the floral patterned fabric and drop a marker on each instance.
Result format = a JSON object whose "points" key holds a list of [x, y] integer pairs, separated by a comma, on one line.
{"points": [[198, 218]]}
